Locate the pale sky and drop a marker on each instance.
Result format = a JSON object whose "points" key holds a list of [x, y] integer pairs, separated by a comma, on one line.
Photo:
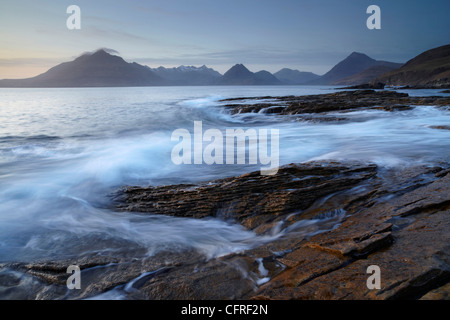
{"points": [[308, 35]]}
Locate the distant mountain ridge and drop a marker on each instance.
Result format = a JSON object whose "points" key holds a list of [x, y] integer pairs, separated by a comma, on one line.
{"points": [[295, 77], [98, 69], [188, 75], [354, 64], [240, 75]]}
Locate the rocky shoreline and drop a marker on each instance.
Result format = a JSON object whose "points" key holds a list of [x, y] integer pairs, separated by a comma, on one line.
{"points": [[334, 102], [334, 221], [396, 220], [324, 223]]}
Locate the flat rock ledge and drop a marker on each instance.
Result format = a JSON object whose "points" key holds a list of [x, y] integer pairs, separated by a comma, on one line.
{"points": [[333, 221], [343, 101]]}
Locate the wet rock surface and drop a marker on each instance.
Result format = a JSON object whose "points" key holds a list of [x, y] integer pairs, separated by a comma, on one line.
{"points": [[332, 222], [339, 101], [407, 237], [254, 200]]}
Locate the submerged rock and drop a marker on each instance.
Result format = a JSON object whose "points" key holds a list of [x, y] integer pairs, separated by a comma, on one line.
{"points": [[441, 127]]}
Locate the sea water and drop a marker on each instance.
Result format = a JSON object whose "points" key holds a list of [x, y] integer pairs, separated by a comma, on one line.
{"points": [[63, 152]]}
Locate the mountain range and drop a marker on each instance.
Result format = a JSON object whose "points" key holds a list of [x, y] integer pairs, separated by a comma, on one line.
{"points": [[102, 69], [187, 75]]}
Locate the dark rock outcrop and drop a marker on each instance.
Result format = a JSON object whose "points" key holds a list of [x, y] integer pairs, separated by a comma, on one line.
{"points": [[252, 199], [339, 101], [377, 85]]}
